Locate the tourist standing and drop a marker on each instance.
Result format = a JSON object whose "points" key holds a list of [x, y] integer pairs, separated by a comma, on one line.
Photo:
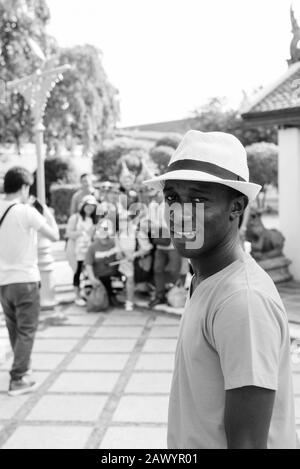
{"points": [[19, 273], [80, 230], [86, 189], [232, 381]]}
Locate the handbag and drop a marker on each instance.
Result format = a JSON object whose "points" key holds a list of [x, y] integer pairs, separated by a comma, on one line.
{"points": [[97, 299], [177, 296]]}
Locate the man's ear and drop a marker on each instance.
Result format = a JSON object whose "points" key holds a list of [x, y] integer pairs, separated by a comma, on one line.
{"points": [[238, 207]]}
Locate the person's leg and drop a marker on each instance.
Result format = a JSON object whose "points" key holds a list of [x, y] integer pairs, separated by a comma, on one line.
{"points": [[160, 260], [130, 288], [113, 301], [27, 304], [9, 314], [76, 280]]}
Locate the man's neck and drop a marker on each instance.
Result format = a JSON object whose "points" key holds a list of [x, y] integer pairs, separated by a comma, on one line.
{"points": [[213, 261], [13, 197]]}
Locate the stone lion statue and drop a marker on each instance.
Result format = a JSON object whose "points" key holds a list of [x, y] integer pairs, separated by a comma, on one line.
{"points": [[265, 243]]}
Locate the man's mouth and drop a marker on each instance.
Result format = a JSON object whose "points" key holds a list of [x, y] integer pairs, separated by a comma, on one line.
{"points": [[185, 234]]}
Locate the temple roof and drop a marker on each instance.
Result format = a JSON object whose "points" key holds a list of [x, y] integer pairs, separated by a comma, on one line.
{"points": [[279, 103]]}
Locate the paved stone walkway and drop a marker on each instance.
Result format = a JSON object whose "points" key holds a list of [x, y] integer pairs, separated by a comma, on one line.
{"points": [[104, 383], [105, 380]]}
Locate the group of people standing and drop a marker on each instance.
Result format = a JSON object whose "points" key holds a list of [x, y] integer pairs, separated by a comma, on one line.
{"points": [[107, 237]]}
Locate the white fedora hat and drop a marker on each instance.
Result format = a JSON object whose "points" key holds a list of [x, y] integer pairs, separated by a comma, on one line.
{"points": [[210, 157]]}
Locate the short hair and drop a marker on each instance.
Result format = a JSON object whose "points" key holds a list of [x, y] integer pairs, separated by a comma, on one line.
{"points": [[84, 175], [16, 178]]}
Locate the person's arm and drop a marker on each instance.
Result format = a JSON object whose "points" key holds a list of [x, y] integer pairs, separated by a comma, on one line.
{"points": [[248, 412], [49, 229], [90, 271], [71, 231]]}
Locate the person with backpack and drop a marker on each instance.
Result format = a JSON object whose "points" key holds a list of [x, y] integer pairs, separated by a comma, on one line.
{"points": [[19, 274]]}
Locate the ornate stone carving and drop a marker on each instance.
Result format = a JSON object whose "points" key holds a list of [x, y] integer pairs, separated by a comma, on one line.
{"points": [[267, 247], [294, 49]]}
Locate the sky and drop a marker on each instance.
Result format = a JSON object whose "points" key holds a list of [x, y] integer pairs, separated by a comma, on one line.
{"points": [[167, 57]]}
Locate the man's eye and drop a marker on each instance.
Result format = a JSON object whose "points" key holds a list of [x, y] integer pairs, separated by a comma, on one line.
{"points": [[169, 198], [198, 200]]}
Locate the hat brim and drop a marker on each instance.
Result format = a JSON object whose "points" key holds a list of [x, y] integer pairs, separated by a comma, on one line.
{"points": [[249, 189]]}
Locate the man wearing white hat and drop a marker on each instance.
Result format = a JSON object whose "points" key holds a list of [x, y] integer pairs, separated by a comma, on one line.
{"points": [[232, 383]]}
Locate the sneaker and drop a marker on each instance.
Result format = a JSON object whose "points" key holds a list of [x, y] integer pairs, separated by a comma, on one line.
{"points": [[80, 302], [129, 306], [21, 386]]}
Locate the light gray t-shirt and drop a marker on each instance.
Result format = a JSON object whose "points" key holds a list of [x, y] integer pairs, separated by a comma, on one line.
{"points": [[234, 333]]}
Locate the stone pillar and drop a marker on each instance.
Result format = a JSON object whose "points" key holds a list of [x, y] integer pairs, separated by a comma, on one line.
{"points": [[46, 266], [289, 194]]}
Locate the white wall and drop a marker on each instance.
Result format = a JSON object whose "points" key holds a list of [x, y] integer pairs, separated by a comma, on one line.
{"points": [[289, 194]]}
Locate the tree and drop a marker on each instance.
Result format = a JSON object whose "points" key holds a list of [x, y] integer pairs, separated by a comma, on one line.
{"points": [[263, 165], [107, 161], [57, 170], [83, 108], [161, 156], [22, 29], [216, 115]]}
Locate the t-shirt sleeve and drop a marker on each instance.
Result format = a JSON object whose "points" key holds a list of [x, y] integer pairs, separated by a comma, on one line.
{"points": [[34, 219], [247, 333]]}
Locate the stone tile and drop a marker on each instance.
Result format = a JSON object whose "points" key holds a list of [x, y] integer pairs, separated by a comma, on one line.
{"points": [[143, 409], [109, 345], [156, 362], [164, 331], [39, 377], [9, 406], [120, 320], [66, 409], [67, 332], [48, 437], [82, 320], [87, 382], [40, 361], [160, 345], [149, 383], [47, 345], [167, 321], [119, 332], [108, 362], [135, 438]]}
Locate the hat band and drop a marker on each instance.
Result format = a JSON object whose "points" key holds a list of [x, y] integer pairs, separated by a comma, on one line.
{"points": [[205, 167]]}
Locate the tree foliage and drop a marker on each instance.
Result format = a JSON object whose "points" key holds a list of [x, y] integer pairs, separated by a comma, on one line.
{"points": [[107, 160], [57, 170], [21, 23], [216, 115], [83, 108], [161, 156], [263, 163]]}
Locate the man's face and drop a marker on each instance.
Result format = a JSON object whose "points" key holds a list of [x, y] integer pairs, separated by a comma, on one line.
{"points": [[201, 218], [86, 182]]}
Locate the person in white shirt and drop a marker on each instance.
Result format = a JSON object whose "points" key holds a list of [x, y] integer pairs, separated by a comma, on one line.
{"points": [[232, 381], [19, 274]]}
